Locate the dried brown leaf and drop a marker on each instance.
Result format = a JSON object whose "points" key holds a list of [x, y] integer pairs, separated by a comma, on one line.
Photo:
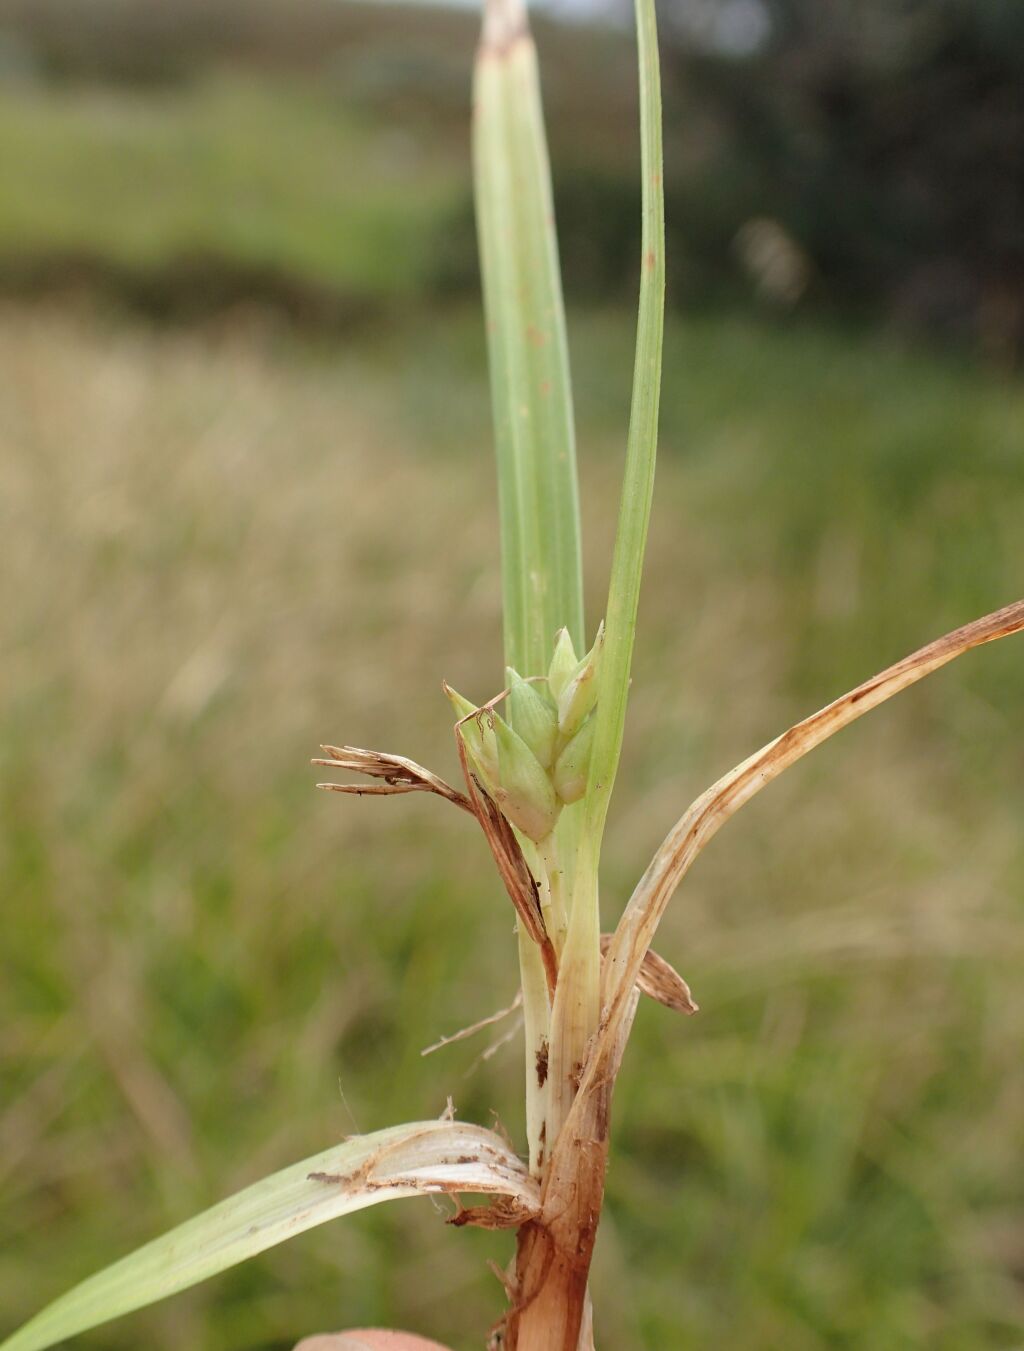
{"points": [[400, 775], [465, 1032], [659, 980], [705, 817], [519, 882]]}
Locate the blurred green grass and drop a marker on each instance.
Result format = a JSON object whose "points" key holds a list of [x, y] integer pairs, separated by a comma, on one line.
{"points": [[223, 546], [314, 157], [269, 173]]}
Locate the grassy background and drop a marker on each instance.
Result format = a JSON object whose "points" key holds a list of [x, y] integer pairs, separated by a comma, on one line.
{"points": [[225, 543], [212, 170]]}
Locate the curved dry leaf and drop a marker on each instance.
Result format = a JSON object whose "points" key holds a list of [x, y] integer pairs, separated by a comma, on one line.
{"points": [[706, 816]]}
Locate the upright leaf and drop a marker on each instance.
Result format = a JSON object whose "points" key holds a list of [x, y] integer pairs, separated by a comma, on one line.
{"points": [[529, 361], [642, 444], [577, 1000], [533, 414]]}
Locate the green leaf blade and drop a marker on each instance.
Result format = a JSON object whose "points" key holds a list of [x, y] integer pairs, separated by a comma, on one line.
{"points": [[527, 346], [409, 1160], [642, 444]]}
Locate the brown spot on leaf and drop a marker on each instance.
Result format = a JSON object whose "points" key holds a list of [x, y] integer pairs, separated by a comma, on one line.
{"points": [[542, 1063], [504, 1212]]}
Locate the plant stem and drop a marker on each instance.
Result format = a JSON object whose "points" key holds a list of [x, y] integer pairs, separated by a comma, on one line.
{"points": [[552, 878], [536, 1030], [577, 1001], [554, 1255]]}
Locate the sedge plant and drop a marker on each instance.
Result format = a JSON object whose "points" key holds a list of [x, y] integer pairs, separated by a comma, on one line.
{"points": [[539, 762]]}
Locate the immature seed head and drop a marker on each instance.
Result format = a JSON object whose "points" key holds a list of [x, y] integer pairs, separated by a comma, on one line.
{"points": [[573, 764], [563, 663], [478, 735], [533, 717], [524, 791], [577, 699]]}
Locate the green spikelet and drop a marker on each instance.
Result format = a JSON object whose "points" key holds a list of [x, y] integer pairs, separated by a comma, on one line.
{"points": [[573, 765], [478, 734], [563, 663], [524, 792], [577, 699], [533, 717]]}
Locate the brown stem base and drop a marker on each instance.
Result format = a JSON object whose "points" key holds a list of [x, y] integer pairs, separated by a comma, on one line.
{"points": [[551, 1307], [551, 1310]]}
